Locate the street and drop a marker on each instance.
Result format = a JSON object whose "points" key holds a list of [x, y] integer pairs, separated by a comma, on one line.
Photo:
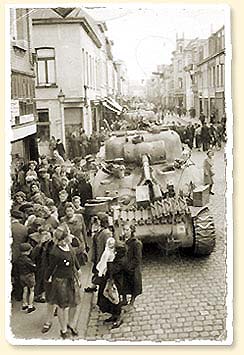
{"points": [[183, 297]]}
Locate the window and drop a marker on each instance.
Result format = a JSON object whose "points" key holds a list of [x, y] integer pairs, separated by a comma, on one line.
{"points": [[43, 124], [46, 75]]}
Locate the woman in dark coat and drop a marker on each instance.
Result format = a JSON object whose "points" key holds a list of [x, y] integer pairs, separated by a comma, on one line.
{"points": [[115, 271], [64, 274], [133, 277]]}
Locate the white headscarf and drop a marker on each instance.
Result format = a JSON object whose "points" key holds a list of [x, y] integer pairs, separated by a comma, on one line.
{"points": [[107, 256]]}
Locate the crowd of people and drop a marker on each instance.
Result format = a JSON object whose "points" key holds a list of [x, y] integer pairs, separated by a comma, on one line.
{"points": [[79, 144], [201, 136], [52, 239]]}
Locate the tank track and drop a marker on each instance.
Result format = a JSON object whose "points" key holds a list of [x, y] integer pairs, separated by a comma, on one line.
{"points": [[204, 233], [170, 210]]}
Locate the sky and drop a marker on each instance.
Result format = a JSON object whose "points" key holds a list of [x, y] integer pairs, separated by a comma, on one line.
{"points": [[145, 37]]}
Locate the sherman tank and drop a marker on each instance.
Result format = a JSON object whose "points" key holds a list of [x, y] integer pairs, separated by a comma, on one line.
{"points": [[148, 179]]}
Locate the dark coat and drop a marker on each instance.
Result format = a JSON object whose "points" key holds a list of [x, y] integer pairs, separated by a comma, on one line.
{"points": [[45, 186], [205, 136], [25, 265], [84, 191], [116, 271], [60, 149], [19, 235], [133, 277], [98, 245]]}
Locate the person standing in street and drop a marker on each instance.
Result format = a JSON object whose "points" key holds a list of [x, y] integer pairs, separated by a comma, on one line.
{"points": [[63, 274], [52, 145], [205, 137], [77, 227], [56, 183], [208, 171], [202, 117], [19, 236], [98, 245], [110, 269], [60, 148], [27, 270], [133, 276], [198, 141]]}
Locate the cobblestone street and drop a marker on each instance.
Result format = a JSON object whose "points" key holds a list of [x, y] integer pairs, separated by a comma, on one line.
{"points": [[183, 297]]}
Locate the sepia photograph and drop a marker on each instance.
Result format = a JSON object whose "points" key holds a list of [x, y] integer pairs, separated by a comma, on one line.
{"points": [[119, 139]]}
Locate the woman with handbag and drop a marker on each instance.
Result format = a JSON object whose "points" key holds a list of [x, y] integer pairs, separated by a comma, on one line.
{"points": [[110, 268], [64, 275]]}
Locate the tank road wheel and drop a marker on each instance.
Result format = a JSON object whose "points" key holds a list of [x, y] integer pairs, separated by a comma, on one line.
{"points": [[203, 233]]}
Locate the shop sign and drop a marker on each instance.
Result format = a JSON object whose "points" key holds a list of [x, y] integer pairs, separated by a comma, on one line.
{"points": [[26, 118], [14, 111]]}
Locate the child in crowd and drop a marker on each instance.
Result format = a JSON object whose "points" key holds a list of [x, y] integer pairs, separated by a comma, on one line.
{"points": [[26, 269]]}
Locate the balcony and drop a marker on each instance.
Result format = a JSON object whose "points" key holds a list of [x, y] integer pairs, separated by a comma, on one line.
{"points": [[20, 45]]}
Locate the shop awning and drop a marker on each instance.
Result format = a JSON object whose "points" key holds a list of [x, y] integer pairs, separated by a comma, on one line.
{"points": [[112, 105]]}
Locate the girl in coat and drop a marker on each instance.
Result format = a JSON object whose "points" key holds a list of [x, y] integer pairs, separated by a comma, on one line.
{"points": [[64, 275]]}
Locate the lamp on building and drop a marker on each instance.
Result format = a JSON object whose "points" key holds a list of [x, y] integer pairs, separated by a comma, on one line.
{"points": [[61, 98], [85, 96]]}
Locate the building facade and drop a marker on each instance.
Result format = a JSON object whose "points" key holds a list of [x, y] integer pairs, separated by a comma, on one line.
{"points": [[75, 72], [194, 81], [210, 75], [23, 112], [179, 77]]}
